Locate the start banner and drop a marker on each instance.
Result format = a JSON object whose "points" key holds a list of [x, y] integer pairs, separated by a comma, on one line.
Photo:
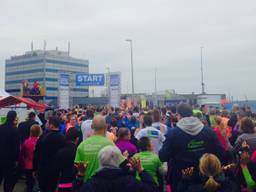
{"points": [[85, 79]]}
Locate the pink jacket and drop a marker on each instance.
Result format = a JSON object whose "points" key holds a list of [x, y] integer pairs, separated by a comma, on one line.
{"points": [[27, 152]]}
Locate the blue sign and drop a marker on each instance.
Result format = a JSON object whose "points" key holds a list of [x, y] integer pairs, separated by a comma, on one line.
{"points": [[84, 79], [64, 80], [114, 80]]}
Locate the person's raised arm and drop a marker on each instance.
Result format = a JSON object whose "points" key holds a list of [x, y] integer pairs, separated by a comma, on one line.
{"points": [[244, 159], [147, 183], [251, 184]]}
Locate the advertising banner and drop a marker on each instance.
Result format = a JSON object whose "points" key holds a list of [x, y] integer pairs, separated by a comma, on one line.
{"points": [[84, 79], [64, 80], [114, 80], [64, 91], [115, 89]]}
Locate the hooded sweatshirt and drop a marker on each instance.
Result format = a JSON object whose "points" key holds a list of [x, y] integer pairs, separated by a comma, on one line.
{"points": [[185, 144], [190, 125]]}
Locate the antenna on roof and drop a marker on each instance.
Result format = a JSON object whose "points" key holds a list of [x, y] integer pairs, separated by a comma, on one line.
{"points": [[45, 45], [32, 46], [68, 48]]}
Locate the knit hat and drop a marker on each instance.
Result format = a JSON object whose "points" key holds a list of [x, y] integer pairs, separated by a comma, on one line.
{"points": [[11, 116]]}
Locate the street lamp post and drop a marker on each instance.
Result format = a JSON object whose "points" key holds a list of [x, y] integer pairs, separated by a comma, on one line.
{"points": [[156, 99], [130, 41], [202, 72], [108, 82]]}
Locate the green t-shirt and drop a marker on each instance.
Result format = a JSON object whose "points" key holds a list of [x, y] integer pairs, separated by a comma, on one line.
{"points": [[88, 151], [150, 162]]}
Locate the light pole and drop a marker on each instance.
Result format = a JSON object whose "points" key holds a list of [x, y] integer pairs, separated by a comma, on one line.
{"points": [[202, 72], [130, 41], [156, 100], [108, 82], [155, 80]]}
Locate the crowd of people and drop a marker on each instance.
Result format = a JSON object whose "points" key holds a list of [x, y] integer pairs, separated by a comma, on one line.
{"points": [[104, 149]]}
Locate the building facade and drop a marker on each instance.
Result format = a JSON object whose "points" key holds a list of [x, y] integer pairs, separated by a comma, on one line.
{"points": [[46, 68]]}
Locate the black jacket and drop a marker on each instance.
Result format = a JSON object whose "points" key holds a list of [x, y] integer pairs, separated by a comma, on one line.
{"points": [[186, 150], [24, 129], [116, 180], [65, 163], [9, 145], [46, 149], [226, 185]]}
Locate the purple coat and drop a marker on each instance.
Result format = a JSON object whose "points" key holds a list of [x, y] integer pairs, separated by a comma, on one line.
{"points": [[124, 145]]}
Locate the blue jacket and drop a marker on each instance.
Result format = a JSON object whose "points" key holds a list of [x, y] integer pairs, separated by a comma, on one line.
{"points": [[120, 123], [130, 124], [62, 128], [109, 119]]}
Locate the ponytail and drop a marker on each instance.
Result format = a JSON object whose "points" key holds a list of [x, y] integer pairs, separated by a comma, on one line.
{"points": [[211, 185]]}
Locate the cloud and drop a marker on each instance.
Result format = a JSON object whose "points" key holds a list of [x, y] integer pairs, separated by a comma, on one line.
{"points": [[166, 35]]}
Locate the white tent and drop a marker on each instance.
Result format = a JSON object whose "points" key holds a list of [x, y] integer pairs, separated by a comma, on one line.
{"points": [[3, 93]]}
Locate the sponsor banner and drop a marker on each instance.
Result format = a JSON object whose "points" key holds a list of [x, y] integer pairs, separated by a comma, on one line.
{"points": [[64, 98], [114, 80], [115, 89], [64, 95], [64, 80]]}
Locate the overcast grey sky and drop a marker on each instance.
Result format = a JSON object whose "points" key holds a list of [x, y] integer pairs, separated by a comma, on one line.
{"points": [[167, 34]]}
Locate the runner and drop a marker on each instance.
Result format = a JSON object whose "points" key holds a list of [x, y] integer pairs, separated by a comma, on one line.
{"points": [[156, 137], [44, 163], [110, 178], [87, 151], [123, 142], [185, 144], [9, 150], [27, 155], [24, 127]]}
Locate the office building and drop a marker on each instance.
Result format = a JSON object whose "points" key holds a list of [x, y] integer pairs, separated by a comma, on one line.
{"points": [[46, 69]]}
